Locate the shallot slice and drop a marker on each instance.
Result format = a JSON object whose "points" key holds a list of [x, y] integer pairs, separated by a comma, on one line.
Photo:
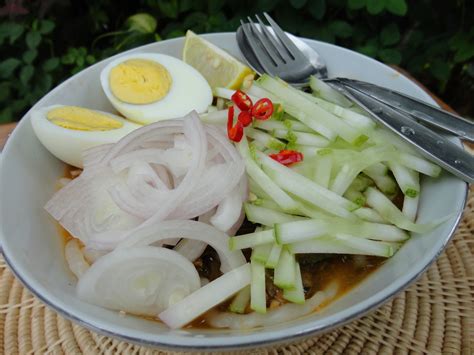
{"points": [[140, 280], [193, 230], [75, 258]]}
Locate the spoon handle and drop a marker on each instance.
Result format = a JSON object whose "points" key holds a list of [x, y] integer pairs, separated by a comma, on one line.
{"points": [[432, 145], [419, 110]]}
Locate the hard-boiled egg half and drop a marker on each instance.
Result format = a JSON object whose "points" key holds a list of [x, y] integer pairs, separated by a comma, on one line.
{"points": [[66, 131], [150, 87]]}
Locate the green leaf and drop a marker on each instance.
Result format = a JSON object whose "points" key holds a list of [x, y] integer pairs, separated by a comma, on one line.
{"points": [[45, 83], [440, 70], [175, 33], [90, 59], [397, 7], [169, 8], [298, 4], [50, 64], [390, 35], [30, 55], [33, 39], [46, 26], [341, 29], [390, 55], [185, 5], [375, 7], [8, 66], [214, 6], [68, 58], [317, 8], [464, 54], [5, 90], [143, 23], [370, 48], [356, 4], [80, 61], [26, 73], [15, 31], [6, 115]]}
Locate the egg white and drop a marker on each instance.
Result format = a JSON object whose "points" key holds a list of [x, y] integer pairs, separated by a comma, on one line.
{"points": [[68, 144], [189, 91]]}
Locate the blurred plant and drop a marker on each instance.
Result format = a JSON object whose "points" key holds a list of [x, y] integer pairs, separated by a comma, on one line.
{"points": [[432, 39], [138, 29], [24, 77]]}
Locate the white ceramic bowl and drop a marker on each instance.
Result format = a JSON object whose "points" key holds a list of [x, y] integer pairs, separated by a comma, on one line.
{"points": [[33, 248]]}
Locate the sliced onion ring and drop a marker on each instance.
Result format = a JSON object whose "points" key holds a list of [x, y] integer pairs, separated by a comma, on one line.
{"points": [[158, 232]]}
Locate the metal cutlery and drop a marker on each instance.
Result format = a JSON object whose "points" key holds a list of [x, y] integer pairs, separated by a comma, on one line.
{"points": [[272, 51], [429, 114], [429, 143]]}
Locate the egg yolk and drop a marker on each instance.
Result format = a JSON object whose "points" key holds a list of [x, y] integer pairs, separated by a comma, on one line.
{"points": [[139, 81], [82, 119]]}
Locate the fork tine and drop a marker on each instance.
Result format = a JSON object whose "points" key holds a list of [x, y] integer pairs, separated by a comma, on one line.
{"points": [[285, 40], [278, 47], [271, 51], [264, 59]]}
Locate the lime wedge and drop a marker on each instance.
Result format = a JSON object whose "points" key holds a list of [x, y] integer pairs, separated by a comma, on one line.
{"points": [[218, 67]]}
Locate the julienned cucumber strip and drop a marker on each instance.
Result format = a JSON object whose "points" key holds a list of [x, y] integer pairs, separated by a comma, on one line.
{"points": [[303, 138], [258, 297], [260, 253], [322, 171], [263, 181], [274, 256], [410, 207], [215, 117], [361, 183], [251, 240], [306, 189], [268, 204], [240, 301], [271, 125], [321, 89], [419, 164], [407, 179], [264, 138], [384, 182], [227, 93], [341, 245], [355, 119], [266, 216], [307, 150], [369, 215], [296, 295], [377, 169], [391, 213], [285, 276], [258, 191], [291, 232], [370, 246], [361, 161], [355, 196], [307, 111]]}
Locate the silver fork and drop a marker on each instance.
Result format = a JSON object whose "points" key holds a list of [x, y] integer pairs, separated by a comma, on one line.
{"points": [[279, 55]]}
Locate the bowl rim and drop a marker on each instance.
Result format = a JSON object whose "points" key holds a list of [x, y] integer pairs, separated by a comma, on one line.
{"points": [[231, 342]]}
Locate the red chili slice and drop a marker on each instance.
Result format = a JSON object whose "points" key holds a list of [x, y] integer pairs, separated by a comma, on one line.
{"points": [[234, 132], [263, 109], [287, 157], [245, 118], [242, 100]]}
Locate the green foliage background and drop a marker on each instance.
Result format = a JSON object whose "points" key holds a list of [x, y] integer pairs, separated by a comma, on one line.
{"points": [[44, 42]]}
